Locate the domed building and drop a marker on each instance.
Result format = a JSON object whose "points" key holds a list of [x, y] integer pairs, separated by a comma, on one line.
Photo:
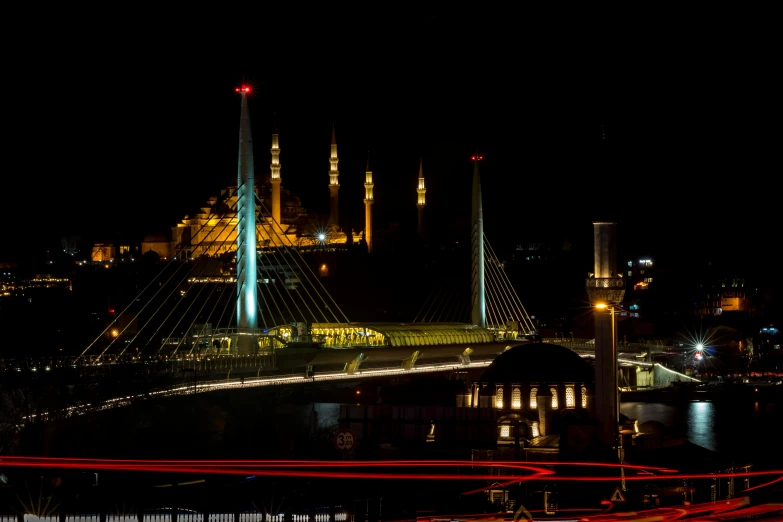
{"points": [[532, 387]]}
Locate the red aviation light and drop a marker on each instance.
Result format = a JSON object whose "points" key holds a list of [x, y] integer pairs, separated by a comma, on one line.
{"points": [[477, 158], [244, 89]]}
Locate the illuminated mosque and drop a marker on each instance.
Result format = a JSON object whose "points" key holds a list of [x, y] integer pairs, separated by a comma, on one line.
{"points": [[281, 220]]}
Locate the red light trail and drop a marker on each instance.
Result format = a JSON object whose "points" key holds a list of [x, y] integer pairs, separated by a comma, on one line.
{"points": [[422, 470], [337, 469]]}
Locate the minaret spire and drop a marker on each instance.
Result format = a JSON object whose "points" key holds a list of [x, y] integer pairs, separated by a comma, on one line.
{"points": [[334, 184], [247, 297], [421, 190], [275, 176], [368, 201], [479, 309]]}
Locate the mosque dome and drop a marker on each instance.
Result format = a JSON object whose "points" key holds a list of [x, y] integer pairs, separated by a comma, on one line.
{"points": [[539, 362]]}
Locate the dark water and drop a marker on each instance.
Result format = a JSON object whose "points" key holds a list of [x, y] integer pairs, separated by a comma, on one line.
{"points": [[736, 430]]}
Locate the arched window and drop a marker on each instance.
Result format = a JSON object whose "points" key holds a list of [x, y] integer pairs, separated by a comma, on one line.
{"points": [[584, 397], [499, 398], [553, 389], [505, 431], [516, 398], [533, 393], [570, 402]]}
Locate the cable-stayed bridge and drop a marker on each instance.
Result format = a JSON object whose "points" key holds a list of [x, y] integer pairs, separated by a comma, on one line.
{"points": [[246, 289], [242, 303]]}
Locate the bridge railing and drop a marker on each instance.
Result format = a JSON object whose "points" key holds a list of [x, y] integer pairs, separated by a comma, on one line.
{"points": [[652, 346]]}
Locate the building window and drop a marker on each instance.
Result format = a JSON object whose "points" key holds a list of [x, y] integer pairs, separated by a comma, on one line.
{"points": [[570, 403], [516, 398], [505, 432], [499, 398], [553, 389], [533, 392], [584, 397], [648, 279], [534, 429], [630, 273]]}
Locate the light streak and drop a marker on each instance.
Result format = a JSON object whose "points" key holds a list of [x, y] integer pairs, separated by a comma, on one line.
{"points": [[730, 509], [351, 469]]}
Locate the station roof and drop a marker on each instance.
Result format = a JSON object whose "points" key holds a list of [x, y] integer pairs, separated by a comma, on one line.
{"points": [[421, 334]]}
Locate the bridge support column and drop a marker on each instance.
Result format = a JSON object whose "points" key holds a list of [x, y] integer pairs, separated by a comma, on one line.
{"points": [[353, 366], [410, 362]]}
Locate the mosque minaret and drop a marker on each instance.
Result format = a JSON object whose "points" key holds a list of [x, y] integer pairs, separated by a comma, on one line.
{"points": [[368, 201], [421, 202], [275, 177], [334, 184]]}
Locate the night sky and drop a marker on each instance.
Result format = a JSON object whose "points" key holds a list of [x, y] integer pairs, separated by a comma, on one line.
{"points": [[667, 123]]}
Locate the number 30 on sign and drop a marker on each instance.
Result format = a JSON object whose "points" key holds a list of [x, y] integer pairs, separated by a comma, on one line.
{"points": [[344, 440]]}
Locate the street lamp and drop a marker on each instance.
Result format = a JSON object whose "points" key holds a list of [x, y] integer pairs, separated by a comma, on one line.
{"points": [[618, 438], [611, 309]]}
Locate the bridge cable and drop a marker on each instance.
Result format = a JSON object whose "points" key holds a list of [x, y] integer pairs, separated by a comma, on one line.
{"points": [[209, 317], [173, 309], [498, 302], [517, 302], [442, 295], [279, 293], [273, 253], [296, 251], [303, 273], [283, 249], [431, 300], [138, 296], [174, 258], [205, 259]]}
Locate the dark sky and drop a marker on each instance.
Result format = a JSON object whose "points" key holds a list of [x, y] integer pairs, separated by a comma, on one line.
{"points": [[122, 122]]}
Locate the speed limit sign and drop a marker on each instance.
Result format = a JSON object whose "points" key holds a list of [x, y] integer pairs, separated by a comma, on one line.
{"points": [[344, 441]]}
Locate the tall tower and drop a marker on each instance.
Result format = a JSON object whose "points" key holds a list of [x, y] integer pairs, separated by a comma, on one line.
{"points": [[607, 290], [478, 314], [334, 184], [247, 297], [368, 201], [275, 179], [420, 202]]}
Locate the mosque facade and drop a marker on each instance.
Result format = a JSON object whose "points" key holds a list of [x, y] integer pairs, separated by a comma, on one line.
{"points": [[281, 219]]}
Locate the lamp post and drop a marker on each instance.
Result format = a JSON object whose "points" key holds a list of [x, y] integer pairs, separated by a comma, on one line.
{"points": [[612, 310], [618, 435]]}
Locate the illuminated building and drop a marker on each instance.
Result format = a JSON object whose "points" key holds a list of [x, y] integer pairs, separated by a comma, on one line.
{"points": [[531, 387], [102, 252], [368, 201], [531, 401], [280, 219]]}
